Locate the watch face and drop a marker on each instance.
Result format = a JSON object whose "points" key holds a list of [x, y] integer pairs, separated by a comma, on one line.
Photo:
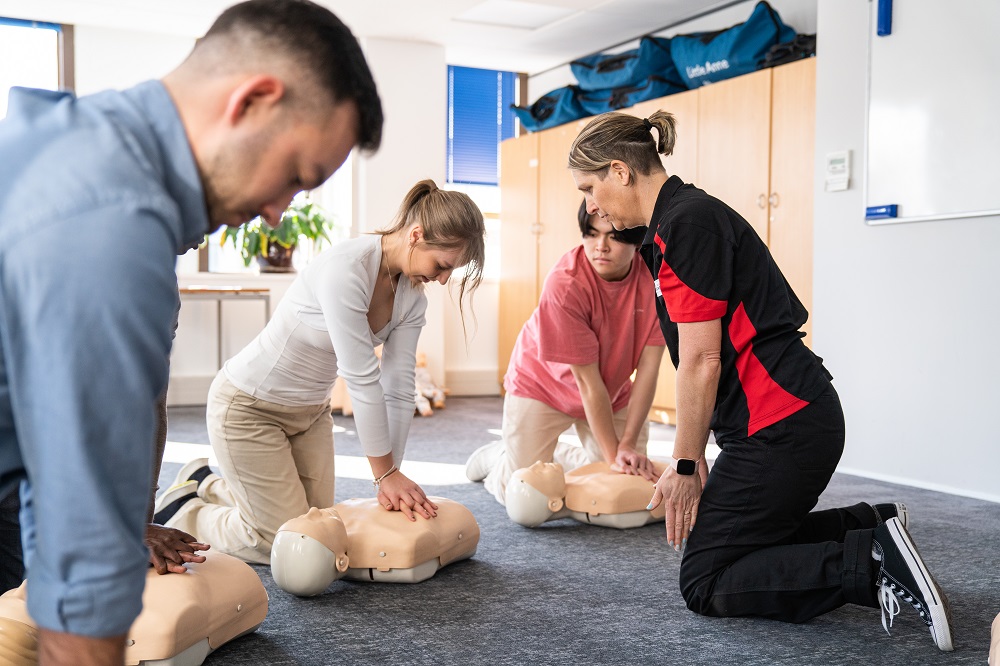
{"points": [[686, 467]]}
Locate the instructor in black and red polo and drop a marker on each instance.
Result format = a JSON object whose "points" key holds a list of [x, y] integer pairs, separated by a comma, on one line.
{"points": [[732, 326]]}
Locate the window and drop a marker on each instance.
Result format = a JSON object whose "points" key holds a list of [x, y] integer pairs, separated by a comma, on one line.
{"points": [[479, 118], [30, 53]]}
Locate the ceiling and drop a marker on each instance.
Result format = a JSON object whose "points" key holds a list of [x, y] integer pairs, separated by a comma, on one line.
{"points": [[515, 35]]}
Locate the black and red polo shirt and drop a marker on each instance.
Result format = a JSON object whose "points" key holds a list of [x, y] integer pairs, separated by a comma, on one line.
{"points": [[708, 263]]}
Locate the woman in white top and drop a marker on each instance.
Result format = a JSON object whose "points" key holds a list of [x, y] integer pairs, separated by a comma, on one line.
{"points": [[269, 410]]}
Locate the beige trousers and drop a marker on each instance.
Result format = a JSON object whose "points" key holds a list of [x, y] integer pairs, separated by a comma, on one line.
{"points": [[531, 432], [276, 463]]}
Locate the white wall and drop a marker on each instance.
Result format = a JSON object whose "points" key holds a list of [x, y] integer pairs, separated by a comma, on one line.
{"points": [[471, 355], [110, 58], [412, 82], [799, 14], [904, 315]]}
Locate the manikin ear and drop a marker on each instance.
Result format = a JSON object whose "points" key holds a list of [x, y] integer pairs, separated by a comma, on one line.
{"points": [[252, 97], [621, 172]]}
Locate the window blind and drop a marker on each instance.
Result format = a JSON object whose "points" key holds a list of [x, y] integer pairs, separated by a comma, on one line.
{"points": [[479, 118]]}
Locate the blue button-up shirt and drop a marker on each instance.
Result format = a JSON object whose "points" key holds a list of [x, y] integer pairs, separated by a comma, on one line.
{"points": [[97, 197]]}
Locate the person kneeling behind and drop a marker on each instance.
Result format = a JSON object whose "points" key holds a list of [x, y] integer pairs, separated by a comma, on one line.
{"points": [[594, 326]]}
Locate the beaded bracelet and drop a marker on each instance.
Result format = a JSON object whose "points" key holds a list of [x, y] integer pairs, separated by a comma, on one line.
{"points": [[378, 482]]}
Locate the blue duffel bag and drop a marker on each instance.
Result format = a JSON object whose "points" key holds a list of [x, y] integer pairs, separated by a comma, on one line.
{"points": [[628, 68], [602, 101], [551, 109], [713, 56]]}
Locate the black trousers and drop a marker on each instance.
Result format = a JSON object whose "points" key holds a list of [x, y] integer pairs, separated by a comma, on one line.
{"points": [[11, 559], [756, 548]]}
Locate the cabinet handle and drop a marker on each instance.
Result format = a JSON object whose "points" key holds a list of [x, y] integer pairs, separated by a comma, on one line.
{"points": [[762, 201], [773, 199], [537, 228]]}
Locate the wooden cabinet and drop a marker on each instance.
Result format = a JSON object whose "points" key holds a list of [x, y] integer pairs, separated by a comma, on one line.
{"points": [[518, 251], [734, 140], [747, 140], [684, 160], [539, 203], [790, 199]]}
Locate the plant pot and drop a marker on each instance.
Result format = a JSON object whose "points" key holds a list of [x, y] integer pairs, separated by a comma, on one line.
{"points": [[277, 260]]}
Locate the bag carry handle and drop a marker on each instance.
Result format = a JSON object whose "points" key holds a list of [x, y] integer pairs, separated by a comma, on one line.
{"points": [[610, 64]]}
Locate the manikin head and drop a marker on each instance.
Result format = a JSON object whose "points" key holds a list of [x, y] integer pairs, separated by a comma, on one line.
{"points": [[310, 552], [535, 494]]}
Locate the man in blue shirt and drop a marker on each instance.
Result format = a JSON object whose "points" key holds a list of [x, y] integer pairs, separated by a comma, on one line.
{"points": [[97, 197]]}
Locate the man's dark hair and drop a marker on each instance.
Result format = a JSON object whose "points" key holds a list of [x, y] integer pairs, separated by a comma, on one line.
{"points": [[315, 38], [631, 236]]}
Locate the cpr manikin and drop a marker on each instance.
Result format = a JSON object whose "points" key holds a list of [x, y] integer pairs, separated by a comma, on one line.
{"points": [[593, 494], [184, 618], [360, 540]]}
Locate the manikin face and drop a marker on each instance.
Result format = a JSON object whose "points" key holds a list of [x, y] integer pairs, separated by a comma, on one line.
{"points": [[547, 477], [611, 198], [266, 160], [611, 259], [425, 263]]}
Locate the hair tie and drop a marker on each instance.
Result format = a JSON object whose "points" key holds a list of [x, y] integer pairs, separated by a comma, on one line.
{"points": [[648, 125]]}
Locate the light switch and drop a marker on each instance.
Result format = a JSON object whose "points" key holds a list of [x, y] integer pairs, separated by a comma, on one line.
{"points": [[838, 171]]}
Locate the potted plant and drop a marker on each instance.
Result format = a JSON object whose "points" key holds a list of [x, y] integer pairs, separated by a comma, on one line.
{"points": [[273, 247]]}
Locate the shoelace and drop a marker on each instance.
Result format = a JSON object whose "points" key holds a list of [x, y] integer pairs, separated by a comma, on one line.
{"points": [[889, 604], [888, 591]]}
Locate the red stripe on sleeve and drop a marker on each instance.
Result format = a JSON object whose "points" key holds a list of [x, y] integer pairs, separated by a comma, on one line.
{"points": [[767, 402], [683, 303]]}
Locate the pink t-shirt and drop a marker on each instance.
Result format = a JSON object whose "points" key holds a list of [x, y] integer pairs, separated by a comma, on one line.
{"points": [[582, 319]]}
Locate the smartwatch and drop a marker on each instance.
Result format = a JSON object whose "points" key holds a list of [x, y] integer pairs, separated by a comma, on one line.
{"points": [[683, 466]]}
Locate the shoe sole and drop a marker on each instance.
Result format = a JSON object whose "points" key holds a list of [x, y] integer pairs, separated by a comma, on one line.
{"points": [[189, 468], [937, 602]]}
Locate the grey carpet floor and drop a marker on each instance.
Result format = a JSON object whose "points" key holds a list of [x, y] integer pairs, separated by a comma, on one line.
{"points": [[567, 593]]}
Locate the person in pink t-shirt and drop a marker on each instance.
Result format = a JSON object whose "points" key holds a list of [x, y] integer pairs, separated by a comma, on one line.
{"points": [[595, 325]]}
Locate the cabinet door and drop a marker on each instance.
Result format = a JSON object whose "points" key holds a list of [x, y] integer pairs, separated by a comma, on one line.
{"points": [[518, 242], [558, 198], [734, 141], [793, 130], [684, 160]]}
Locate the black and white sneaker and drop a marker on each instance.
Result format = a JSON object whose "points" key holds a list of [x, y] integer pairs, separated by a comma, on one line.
{"points": [[170, 502], [903, 576], [884, 512]]}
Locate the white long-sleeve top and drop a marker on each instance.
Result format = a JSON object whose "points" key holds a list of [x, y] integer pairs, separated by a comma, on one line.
{"points": [[320, 331]]}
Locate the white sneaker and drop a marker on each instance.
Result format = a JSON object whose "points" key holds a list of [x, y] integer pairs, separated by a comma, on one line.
{"points": [[483, 460]]}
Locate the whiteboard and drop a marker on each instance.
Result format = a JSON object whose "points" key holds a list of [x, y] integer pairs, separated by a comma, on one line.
{"points": [[933, 139]]}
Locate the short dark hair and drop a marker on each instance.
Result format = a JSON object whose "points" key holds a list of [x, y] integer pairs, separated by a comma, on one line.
{"points": [[633, 236], [315, 38]]}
